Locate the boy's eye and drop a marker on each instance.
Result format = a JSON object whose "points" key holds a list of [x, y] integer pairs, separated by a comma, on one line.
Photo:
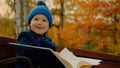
{"points": [[44, 20], [35, 19]]}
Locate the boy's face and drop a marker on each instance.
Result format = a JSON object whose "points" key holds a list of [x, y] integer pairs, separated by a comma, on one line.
{"points": [[39, 24]]}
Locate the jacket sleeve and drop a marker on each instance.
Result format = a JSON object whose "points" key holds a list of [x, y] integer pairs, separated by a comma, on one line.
{"points": [[48, 43], [24, 38]]}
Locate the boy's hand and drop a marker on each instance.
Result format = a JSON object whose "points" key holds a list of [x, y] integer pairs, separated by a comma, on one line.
{"points": [[48, 44]]}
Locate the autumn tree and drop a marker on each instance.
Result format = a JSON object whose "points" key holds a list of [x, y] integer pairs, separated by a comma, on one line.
{"points": [[86, 24], [7, 19], [7, 27], [21, 12], [96, 24]]}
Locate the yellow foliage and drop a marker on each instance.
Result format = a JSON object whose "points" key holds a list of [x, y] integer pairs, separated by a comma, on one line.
{"points": [[7, 28], [118, 25], [53, 34]]}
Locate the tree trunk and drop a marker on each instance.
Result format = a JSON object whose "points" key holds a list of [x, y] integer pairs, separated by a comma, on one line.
{"points": [[21, 12], [25, 11], [62, 13], [17, 17], [61, 20]]}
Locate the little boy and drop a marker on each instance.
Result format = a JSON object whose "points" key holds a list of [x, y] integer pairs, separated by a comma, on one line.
{"points": [[40, 21]]}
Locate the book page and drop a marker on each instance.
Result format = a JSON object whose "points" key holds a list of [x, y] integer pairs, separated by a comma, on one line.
{"points": [[83, 64], [70, 57], [64, 61], [75, 61], [90, 60]]}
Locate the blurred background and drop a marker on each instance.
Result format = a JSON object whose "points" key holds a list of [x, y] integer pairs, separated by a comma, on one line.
{"points": [[92, 25]]}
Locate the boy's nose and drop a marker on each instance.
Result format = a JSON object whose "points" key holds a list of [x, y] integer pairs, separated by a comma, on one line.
{"points": [[39, 25], [39, 22]]}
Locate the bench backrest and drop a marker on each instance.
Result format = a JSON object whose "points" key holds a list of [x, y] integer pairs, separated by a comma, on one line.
{"points": [[5, 50]]}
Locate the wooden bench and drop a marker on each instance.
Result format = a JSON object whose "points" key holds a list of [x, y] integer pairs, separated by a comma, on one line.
{"points": [[109, 61]]}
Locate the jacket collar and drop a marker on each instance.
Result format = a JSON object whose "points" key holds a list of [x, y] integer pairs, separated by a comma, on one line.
{"points": [[36, 36]]}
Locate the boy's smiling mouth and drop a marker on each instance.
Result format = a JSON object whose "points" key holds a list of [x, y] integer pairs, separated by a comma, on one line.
{"points": [[39, 27]]}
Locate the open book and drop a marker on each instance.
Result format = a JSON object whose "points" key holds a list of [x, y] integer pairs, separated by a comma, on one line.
{"points": [[63, 59], [72, 61]]}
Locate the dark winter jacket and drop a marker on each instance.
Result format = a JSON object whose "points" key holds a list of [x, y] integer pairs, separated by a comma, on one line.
{"points": [[32, 39]]}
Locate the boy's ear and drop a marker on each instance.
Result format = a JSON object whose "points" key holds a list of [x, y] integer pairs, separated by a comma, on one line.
{"points": [[29, 25], [49, 28]]}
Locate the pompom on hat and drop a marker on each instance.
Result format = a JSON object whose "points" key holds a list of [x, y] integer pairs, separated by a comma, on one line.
{"points": [[41, 8]]}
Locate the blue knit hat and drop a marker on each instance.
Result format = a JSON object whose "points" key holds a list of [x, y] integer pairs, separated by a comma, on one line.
{"points": [[40, 8]]}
